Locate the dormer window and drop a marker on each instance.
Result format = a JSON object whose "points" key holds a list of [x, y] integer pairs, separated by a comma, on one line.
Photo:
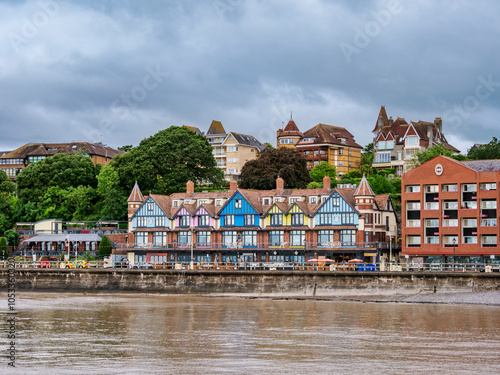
{"points": [[267, 201], [176, 203], [218, 203], [312, 200], [411, 141]]}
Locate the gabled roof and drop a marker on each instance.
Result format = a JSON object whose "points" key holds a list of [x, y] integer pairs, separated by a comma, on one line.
{"points": [[291, 129], [382, 115], [136, 195], [364, 188], [216, 128], [193, 128], [283, 207], [381, 200], [329, 134], [164, 202], [50, 149], [210, 208]]}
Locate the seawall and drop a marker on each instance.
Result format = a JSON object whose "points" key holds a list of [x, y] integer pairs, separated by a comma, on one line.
{"points": [[252, 283]]}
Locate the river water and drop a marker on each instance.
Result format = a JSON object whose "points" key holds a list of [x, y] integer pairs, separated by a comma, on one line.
{"points": [[155, 334]]}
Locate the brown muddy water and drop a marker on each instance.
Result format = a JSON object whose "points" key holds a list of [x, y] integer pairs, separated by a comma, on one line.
{"points": [[157, 334]]}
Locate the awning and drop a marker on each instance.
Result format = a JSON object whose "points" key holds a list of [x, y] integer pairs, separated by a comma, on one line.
{"points": [[79, 237]]}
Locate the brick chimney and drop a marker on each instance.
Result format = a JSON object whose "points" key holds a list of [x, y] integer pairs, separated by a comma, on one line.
{"points": [[233, 186], [189, 188], [326, 184], [430, 134], [280, 186], [439, 123]]}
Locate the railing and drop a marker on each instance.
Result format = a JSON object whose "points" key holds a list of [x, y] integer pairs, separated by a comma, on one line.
{"points": [[319, 265], [335, 245]]}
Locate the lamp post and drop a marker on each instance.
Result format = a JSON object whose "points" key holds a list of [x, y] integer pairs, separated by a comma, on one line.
{"points": [[454, 241], [67, 241], [191, 265]]}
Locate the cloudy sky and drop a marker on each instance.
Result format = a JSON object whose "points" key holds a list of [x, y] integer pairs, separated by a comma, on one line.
{"points": [[122, 70]]}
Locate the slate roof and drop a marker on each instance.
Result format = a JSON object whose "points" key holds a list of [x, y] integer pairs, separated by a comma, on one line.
{"points": [[382, 115], [482, 165], [248, 140], [329, 134]]}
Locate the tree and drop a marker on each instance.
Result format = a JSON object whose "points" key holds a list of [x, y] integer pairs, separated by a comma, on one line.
{"points": [[283, 162], [61, 170], [125, 148], [164, 162], [269, 145], [430, 153], [12, 237], [314, 185], [490, 150], [4, 250], [105, 247], [321, 170], [112, 199], [6, 185], [7, 202]]}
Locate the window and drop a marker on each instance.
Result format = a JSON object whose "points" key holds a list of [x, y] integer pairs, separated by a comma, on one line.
{"points": [[237, 203], [341, 163], [159, 221], [489, 241], [184, 221], [312, 200], [203, 238], [381, 145], [150, 206], [488, 186], [203, 221], [141, 221], [335, 201], [229, 220], [276, 219], [350, 153], [431, 188], [297, 219], [218, 203], [230, 238], [389, 145], [469, 205], [348, 237], [341, 151], [450, 187], [34, 159], [349, 218], [469, 187], [325, 238], [413, 223], [141, 239], [450, 205], [286, 141], [411, 141], [297, 237], [382, 157], [432, 205], [413, 206], [488, 204], [11, 161], [413, 189], [488, 222], [233, 160], [325, 219], [307, 140], [410, 152], [249, 220], [413, 241], [450, 223], [267, 201], [276, 238], [183, 238], [469, 223], [176, 203], [249, 238], [432, 222], [160, 238], [232, 149]]}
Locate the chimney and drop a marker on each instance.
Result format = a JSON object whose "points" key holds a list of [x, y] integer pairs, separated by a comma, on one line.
{"points": [[439, 123], [326, 184], [233, 186], [390, 121], [189, 188], [280, 186], [430, 134]]}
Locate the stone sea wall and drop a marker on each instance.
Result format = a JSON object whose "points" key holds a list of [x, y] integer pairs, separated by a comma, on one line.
{"points": [[252, 283]]}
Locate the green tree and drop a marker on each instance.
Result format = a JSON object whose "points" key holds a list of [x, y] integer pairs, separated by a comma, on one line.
{"points": [[6, 185], [4, 250], [283, 162], [269, 145], [126, 148], [112, 199], [164, 162], [62, 171], [8, 202], [490, 150], [321, 170], [105, 247], [432, 152], [12, 237], [314, 185]]}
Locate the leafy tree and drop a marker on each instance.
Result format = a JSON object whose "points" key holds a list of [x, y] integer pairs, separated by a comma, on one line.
{"points": [[490, 150], [283, 162], [105, 247], [62, 171], [12, 237], [4, 250], [321, 170], [269, 145], [434, 151], [112, 198], [314, 185], [164, 162], [125, 148], [6, 185]]}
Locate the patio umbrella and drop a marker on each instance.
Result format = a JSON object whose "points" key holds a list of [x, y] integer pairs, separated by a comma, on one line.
{"points": [[355, 261], [321, 260]]}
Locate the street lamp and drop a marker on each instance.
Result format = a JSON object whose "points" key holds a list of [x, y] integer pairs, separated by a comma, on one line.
{"points": [[454, 241], [191, 229]]}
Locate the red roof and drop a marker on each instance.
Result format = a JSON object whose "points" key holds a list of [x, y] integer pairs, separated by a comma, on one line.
{"points": [[291, 129], [136, 195]]}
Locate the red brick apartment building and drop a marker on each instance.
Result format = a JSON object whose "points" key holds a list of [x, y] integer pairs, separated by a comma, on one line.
{"points": [[449, 211]]}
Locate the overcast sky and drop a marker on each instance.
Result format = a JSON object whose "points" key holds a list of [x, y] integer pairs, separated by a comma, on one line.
{"points": [[123, 70]]}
